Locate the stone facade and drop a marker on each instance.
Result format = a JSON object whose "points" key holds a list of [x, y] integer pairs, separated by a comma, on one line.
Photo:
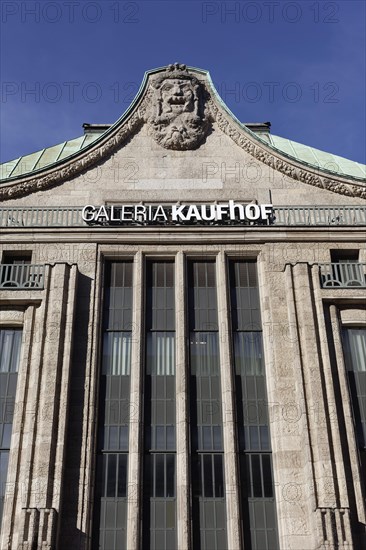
{"points": [[185, 149]]}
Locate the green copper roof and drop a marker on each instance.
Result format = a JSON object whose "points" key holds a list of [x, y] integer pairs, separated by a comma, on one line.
{"points": [[303, 153], [315, 157], [46, 157]]}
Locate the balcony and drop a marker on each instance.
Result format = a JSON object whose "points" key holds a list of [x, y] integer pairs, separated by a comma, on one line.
{"points": [[283, 216], [21, 276], [343, 275]]}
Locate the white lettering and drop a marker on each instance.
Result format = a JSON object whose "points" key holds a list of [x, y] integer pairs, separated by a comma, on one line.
{"points": [[266, 211], [204, 214], [177, 213], [88, 213], [232, 207], [126, 213], [220, 210], [113, 219], [160, 213], [252, 212], [102, 213], [193, 212], [140, 213]]}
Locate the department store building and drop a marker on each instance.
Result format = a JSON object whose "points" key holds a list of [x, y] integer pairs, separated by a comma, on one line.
{"points": [[182, 335]]}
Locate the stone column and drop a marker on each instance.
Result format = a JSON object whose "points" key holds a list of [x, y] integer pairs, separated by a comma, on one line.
{"points": [[134, 508], [228, 410], [182, 408]]}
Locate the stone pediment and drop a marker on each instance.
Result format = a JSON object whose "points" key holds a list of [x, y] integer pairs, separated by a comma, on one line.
{"points": [[179, 105]]}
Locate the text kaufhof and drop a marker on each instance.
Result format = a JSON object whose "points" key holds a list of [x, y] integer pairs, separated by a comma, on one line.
{"points": [[177, 213]]}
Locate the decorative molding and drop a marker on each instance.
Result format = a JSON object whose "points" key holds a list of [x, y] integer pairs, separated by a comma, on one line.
{"points": [[353, 316], [190, 134], [11, 316]]}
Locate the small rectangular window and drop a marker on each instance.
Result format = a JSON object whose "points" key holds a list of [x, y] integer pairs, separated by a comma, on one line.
{"points": [[14, 257], [344, 256]]}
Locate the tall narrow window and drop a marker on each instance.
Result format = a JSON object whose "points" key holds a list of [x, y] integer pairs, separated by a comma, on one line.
{"points": [[10, 342], [209, 508], [259, 516], [111, 490], [159, 517], [355, 356]]}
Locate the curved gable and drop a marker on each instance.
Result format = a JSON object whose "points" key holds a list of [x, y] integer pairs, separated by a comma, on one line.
{"points": [[179, 104]]}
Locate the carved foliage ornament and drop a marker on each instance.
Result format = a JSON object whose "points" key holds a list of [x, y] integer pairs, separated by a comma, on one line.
{"points": [[177, 117]]}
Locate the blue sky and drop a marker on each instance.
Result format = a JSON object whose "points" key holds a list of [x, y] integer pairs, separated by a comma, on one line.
{"points": [[299, 65]]}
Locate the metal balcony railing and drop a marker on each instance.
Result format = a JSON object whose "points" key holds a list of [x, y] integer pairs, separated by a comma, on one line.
{"points": [[21, 276], [343, 275], [289, 216], [319, 215]]}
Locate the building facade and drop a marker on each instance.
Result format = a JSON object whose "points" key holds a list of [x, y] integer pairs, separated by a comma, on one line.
{"points": [[182, 335]]}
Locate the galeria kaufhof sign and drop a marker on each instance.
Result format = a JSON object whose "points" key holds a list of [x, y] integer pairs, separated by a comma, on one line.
{"points": [[230, 213]]}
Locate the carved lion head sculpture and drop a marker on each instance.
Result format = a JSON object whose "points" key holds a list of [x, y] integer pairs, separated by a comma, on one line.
{"points": [[177, 117]]}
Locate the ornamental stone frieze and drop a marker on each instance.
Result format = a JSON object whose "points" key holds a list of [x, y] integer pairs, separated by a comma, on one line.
{"points": [[179, 105]]}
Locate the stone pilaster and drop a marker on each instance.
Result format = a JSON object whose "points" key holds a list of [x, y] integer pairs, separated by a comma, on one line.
{"points": [[134, 508], [232, 486], [182, 408]]}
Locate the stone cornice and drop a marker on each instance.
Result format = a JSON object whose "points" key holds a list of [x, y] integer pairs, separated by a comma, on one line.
{"points": [[128, 125]]}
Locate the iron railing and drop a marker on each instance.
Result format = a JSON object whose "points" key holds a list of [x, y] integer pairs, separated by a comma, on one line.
{"points": [[343, 275], [21, 276], [319, 215], [23, 217]]}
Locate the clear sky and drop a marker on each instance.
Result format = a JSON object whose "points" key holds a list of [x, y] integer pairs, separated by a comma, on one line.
{"points": [[298, 64]]}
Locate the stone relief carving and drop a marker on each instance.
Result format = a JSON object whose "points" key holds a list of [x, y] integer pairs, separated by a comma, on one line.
{"points": [[177, 114], [179, 110]]}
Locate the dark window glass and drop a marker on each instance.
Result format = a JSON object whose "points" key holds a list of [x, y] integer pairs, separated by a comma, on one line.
{"points": [[10, 345], [355, 357], [114, 409], [252, 409], [159, 529], [344, 256], [209, 522], [122, 476]]}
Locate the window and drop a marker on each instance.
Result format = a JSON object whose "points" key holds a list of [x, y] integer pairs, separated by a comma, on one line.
{"points": [[209, 506], [355, 356], [15, 270], [112, 459], [10, 344], [345, 270], [159, 483], [344, 256], [258, 504]]}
